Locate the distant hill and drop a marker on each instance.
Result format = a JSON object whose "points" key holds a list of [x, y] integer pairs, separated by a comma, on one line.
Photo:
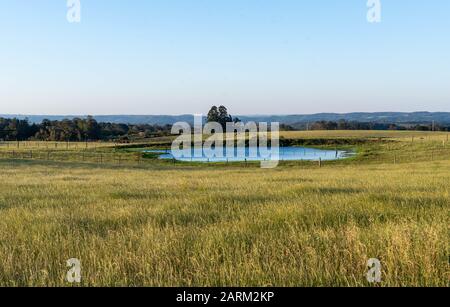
{"points": [[379, 117]]}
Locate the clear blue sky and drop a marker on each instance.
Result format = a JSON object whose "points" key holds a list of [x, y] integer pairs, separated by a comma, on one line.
{"points": [[254, 56]]}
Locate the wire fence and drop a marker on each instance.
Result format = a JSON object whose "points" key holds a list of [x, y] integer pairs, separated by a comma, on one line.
{"points": [[82, 156], [23, 145], [105, 153], [137, 158], [401, 156]]}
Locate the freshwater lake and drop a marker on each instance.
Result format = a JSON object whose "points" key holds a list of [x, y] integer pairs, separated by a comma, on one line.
{"points": [[285, 154]]}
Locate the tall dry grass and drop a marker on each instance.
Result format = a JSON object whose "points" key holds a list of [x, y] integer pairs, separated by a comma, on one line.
{"points": [[199, 226]]}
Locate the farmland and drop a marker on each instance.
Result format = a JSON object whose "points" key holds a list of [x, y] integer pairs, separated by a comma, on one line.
{"points": [[134, 220]]}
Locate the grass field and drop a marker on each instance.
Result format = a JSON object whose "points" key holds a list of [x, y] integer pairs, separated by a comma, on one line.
{"points": [[157, 223]]}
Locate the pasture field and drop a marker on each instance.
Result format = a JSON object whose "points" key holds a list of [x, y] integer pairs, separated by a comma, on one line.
{"points": [[145, 222]]}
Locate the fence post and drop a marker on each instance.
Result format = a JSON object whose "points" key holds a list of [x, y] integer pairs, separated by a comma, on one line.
{"points": [[320, 162]]}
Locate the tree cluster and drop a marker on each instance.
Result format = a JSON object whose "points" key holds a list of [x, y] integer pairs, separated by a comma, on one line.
{"points": [[353, 125], [220, 115], [76, 129]]}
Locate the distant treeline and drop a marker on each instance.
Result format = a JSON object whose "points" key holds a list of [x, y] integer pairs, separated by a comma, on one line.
{"points": [[89, 129], [76, 130], [346, 125]]}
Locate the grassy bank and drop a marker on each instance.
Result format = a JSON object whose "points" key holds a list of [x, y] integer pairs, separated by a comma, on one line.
{"points": [[162, 224]]}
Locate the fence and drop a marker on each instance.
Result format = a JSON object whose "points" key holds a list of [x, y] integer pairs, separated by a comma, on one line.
{"points": [[21, 145], [101, 153], [399, 156], [80, 156]]}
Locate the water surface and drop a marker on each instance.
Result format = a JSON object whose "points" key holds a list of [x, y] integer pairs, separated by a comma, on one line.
{"points": [[285, 154]]}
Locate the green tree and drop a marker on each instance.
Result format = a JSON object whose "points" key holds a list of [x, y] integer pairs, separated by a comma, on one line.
{"points": [[213, 115], [219, 115]]}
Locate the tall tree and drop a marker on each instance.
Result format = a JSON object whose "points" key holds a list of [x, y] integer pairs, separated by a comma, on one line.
{"points": [[213, 115], [219, 115]]}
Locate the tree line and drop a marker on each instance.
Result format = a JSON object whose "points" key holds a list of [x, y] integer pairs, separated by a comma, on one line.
{"points": [[88, 129], [76, 129], [353, 125], [221, 116]]}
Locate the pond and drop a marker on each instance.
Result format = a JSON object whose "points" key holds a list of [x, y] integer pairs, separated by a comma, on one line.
{"points": [[285, 154]]}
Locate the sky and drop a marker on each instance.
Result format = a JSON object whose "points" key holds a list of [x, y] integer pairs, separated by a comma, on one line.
{"points": [[253, 56]]}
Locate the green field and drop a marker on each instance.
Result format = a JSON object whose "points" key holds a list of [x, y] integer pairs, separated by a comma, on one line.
{"points": [[135, 220]]}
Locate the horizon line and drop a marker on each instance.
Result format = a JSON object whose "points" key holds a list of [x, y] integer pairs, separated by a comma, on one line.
{"points": [[193, 114]]}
